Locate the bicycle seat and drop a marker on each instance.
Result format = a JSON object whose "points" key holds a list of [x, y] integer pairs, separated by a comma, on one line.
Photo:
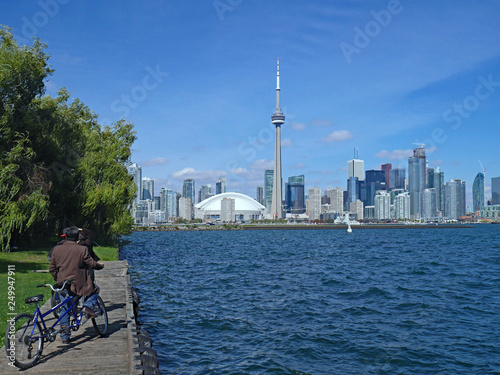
{"points": [[34, 299]]}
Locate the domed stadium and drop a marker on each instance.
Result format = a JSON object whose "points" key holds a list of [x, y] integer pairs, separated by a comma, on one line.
{"points": [[229, 207]]}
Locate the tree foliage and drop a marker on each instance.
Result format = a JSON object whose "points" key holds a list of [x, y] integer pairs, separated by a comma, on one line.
{"points": [[58, 166]]}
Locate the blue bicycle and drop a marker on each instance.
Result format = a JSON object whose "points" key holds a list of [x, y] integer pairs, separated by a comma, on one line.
{"points": [[26, 333]]}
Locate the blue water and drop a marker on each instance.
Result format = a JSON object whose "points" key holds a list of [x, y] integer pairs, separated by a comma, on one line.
{"points": [[390, 301]]}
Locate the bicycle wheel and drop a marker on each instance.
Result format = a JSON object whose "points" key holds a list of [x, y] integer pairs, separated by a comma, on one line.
{"points": [[55, 299], [100, 321], [23, 341]]}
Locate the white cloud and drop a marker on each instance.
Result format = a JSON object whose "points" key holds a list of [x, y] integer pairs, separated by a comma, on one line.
{"points": [[321, 122], [153, 162], [337, 136], [200, 175], [287, 142]]}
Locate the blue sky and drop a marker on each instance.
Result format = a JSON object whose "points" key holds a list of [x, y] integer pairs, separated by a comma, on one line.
{"points": [[197, 79]]}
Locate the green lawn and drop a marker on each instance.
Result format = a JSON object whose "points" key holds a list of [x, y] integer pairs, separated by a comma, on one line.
{"points": [[22, 281]]}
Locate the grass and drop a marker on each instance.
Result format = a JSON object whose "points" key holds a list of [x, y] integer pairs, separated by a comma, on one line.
{"points": [[24, 281]]}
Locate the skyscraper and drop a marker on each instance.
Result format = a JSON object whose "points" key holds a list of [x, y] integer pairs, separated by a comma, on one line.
{"points": [[495, 190], [220, 186], [417, 179], [382, 205], [259, 197], [387, 169], [356, 168], [278, 119], [148, 188], [336, 199], [204, 192], [314, 205], [397, 178], [478, 192], [439, 186], [136, 171], [429, 207], [188, 190], [295, 195], [268, 188], [454, 196]]}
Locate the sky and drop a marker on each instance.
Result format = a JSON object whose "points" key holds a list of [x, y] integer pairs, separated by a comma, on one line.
{"points": [[198, 78]]}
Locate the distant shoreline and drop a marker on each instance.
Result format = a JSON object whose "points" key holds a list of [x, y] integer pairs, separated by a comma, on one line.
{"points": [[203, 227]]}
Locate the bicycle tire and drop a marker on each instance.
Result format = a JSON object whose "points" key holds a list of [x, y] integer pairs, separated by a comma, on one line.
{"points": [[100, 321], [18, 344], [55, 299]]}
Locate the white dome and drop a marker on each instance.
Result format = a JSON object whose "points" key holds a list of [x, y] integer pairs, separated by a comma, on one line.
{"points": [[241, 203]]}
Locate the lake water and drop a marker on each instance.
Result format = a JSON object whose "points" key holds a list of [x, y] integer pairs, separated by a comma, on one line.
{"points": [[381, 301]]}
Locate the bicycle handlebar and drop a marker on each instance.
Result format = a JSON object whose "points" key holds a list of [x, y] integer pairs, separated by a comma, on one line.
{"points": [[56, 289]]}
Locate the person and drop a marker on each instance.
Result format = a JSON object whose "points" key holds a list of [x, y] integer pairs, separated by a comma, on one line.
{"points": [[71, 260], [63, 240], [86, 238]]}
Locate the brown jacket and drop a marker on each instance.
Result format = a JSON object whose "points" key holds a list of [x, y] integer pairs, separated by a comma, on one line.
{"points": [[70, 260]]}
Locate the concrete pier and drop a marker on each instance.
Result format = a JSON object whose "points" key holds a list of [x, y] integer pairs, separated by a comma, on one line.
{"points": [[87, 353]]}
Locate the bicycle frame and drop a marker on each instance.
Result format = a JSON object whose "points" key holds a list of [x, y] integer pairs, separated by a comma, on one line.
{"points": [[40, 317]]}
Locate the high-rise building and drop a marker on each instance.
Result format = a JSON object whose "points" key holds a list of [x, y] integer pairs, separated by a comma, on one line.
{"points": [[220, 186], [356, 168], [429, 180], [204, 192], [295, 202], [478, 192], [397, 178], [454, 196], [417, 179], [357, 209], [382, 205], [387, 169], [429, 206], [278, 119], [495, 190], [188, 190], [186, 208], [353, 189], [148, 188], [336, 199], [268, 188], [163, 200], [259, 196], [136, 171], [439, 186], [314, 204], [227, 209], [402, 206]]}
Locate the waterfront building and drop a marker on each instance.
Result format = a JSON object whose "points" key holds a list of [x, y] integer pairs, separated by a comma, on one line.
{"points": [[429, 182], [402, 206], [382, 205], [387, 169], [478, 192], [429, 206], [314, 206], [136, 172], [227, 209], [397, 178], [172, 204], [278, 119], [454, 196], [369, 212], [259, 196], [245, 208], [268, 188], [416, 179], [148, 188], [490, 212], [356, 208], [495, 190], [186, 208], [156, 200], [336, 199], [220, 186], [188, 190], [438, 184], [295, 195]]}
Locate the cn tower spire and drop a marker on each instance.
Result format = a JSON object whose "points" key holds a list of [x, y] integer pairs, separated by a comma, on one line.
{"points": [[278, 119]]}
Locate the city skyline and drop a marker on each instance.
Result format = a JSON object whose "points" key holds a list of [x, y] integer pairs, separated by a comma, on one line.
{"points": [[197, 80]]}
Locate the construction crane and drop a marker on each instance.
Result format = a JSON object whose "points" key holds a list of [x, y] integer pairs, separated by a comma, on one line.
{"points": [[422, 145]]}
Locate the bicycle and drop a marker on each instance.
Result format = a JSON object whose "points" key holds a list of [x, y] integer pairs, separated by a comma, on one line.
{"points": [[26, 333]]}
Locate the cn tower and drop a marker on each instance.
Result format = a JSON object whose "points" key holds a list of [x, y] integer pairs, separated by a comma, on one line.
{"points": [[278, 119]]}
